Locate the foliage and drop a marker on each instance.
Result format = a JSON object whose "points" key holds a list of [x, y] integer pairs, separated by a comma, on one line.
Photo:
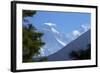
{"points": [[81, 54], [28, 13], [31, 39], [40, 59]]}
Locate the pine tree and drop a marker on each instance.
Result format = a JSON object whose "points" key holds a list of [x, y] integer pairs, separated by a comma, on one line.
{"points": [[28, 13], [81, 54], [31, 40]]}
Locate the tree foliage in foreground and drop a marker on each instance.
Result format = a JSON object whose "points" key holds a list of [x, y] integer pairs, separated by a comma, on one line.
{"points": [[28, 13], [81, 54], [31, 39]]}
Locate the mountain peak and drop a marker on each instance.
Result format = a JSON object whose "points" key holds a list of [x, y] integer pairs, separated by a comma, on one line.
{"points": [[79, 43]]}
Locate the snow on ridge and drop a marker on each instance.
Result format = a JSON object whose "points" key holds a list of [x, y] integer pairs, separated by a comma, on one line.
{"points": [[60, 38]]}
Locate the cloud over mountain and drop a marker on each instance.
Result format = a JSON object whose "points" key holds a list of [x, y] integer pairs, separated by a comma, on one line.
{"points": [[58, 38], [50, 24], [76, 33]]}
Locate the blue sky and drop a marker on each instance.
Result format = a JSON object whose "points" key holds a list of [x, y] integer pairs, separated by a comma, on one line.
{"points": [[65, 21], [65, 27]]}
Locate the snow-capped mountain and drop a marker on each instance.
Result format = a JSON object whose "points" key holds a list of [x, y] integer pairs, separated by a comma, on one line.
{"points": [[53, 36], [54, 40], [79, 43]]}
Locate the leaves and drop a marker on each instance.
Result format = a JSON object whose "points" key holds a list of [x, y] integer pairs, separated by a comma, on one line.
{"points": [[31, 39], [28, 13], [81, 54]]}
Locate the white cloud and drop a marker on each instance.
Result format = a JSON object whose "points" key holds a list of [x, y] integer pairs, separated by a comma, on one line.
{"points": [[85, 27], [50, 24], [76, 33]]}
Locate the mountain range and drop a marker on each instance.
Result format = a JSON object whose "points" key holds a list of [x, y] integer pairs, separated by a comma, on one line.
{"points": [[55, 40], [80, 43]]}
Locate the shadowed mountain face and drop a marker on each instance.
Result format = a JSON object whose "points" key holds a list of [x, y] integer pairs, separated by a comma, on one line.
{"points": [[79, 43], [55, 39]]}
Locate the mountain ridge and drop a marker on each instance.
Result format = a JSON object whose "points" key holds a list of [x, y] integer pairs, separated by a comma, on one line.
{"points": [[86, 40]]}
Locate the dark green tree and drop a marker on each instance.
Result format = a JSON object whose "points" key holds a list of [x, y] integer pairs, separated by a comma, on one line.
{"points": [[28, 13], [81, 54], [31, 39]]}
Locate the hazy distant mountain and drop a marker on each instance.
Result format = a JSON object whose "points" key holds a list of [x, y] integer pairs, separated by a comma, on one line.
{"points": [[79, 43], [49, 38], [54, 40]]}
